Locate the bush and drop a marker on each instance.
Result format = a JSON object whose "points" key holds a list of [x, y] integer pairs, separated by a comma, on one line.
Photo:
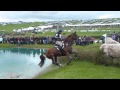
{"points": [[87, 54], [101, 58], [116, 62], [97, 57]]}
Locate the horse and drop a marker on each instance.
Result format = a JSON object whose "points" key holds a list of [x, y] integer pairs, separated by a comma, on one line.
{"points": [[53, 53]]}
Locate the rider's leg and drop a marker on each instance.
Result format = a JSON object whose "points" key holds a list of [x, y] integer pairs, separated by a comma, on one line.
{"points": [[58, 48]]}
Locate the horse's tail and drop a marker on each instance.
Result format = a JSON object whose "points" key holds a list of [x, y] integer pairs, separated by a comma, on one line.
{"points": [[42, 57]]}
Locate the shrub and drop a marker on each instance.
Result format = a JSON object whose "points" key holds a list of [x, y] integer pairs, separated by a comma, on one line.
{"points": [[98, 57]]}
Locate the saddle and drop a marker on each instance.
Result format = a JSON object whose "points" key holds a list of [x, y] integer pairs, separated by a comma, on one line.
{"points": [[59, 48]]}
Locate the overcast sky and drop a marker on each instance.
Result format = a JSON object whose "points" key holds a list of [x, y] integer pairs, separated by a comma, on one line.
{"points": [[13, 16]]}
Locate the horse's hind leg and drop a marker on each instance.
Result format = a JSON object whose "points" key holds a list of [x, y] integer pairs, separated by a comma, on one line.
{"points": [[70, 59], [53, 60]]}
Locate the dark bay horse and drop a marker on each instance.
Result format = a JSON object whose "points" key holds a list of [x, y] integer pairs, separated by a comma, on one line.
{"points": [[53, 53]]}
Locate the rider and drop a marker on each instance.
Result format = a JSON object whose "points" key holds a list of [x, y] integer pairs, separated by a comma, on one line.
{"points": [[58, 41]]}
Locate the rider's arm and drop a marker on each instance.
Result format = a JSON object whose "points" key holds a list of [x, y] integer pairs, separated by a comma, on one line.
{"points": [[56, 35], [60, 36]]}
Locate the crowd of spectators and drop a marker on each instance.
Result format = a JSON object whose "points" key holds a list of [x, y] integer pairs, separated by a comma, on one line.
{"points": [[85, 40], [28, 40], [115, 37]]}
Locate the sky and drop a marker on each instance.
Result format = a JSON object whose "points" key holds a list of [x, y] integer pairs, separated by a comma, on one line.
{"points": [[32, 16]]}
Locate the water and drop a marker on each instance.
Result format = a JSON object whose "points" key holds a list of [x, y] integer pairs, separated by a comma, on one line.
{"points": [[20, 63]]}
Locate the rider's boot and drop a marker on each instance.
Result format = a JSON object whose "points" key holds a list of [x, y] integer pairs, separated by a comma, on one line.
{"points": [[60, 50]]}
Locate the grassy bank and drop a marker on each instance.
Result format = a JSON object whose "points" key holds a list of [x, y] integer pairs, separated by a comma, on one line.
{"points": [[83, 70]]}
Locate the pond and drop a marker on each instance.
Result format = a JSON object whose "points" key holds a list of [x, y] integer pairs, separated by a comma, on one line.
{"points": [[21, 63]]}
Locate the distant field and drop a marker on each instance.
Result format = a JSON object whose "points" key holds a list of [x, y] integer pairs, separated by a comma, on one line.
{"points": [[9, 29]]}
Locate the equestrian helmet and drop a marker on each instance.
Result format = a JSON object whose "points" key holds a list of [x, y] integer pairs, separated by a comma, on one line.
{"points": [[60, 30]]}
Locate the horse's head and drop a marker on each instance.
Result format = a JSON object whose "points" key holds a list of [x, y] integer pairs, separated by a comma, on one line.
{"points": [[69, 40], [75, 36]]}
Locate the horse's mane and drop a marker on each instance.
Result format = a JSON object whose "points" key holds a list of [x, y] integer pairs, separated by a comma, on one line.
{"points": [[68, 40], [68, 36]]}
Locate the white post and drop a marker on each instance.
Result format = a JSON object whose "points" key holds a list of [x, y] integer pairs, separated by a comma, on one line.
{"points": [[106, 39], [57, 26], [105, 35]]}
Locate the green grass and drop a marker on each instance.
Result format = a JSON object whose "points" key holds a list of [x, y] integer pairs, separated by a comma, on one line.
{"points": [[26, 46], [83, 70], [47, 46], [7, 45]]}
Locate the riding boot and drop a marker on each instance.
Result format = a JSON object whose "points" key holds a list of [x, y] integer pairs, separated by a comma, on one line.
{"points": [[60, 51]]}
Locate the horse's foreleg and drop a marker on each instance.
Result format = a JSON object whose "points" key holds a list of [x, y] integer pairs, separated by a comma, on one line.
{"points": [[53, 59], [76, 55], [56, 61], [70, 58]]}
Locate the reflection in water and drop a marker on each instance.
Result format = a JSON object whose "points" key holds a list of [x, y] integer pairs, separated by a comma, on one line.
{"points": [[20, 62], [23, 51]]}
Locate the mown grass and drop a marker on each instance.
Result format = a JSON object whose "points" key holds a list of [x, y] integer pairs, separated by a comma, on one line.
{"points": [[83, 70], [7, 45], [26, 46]]}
